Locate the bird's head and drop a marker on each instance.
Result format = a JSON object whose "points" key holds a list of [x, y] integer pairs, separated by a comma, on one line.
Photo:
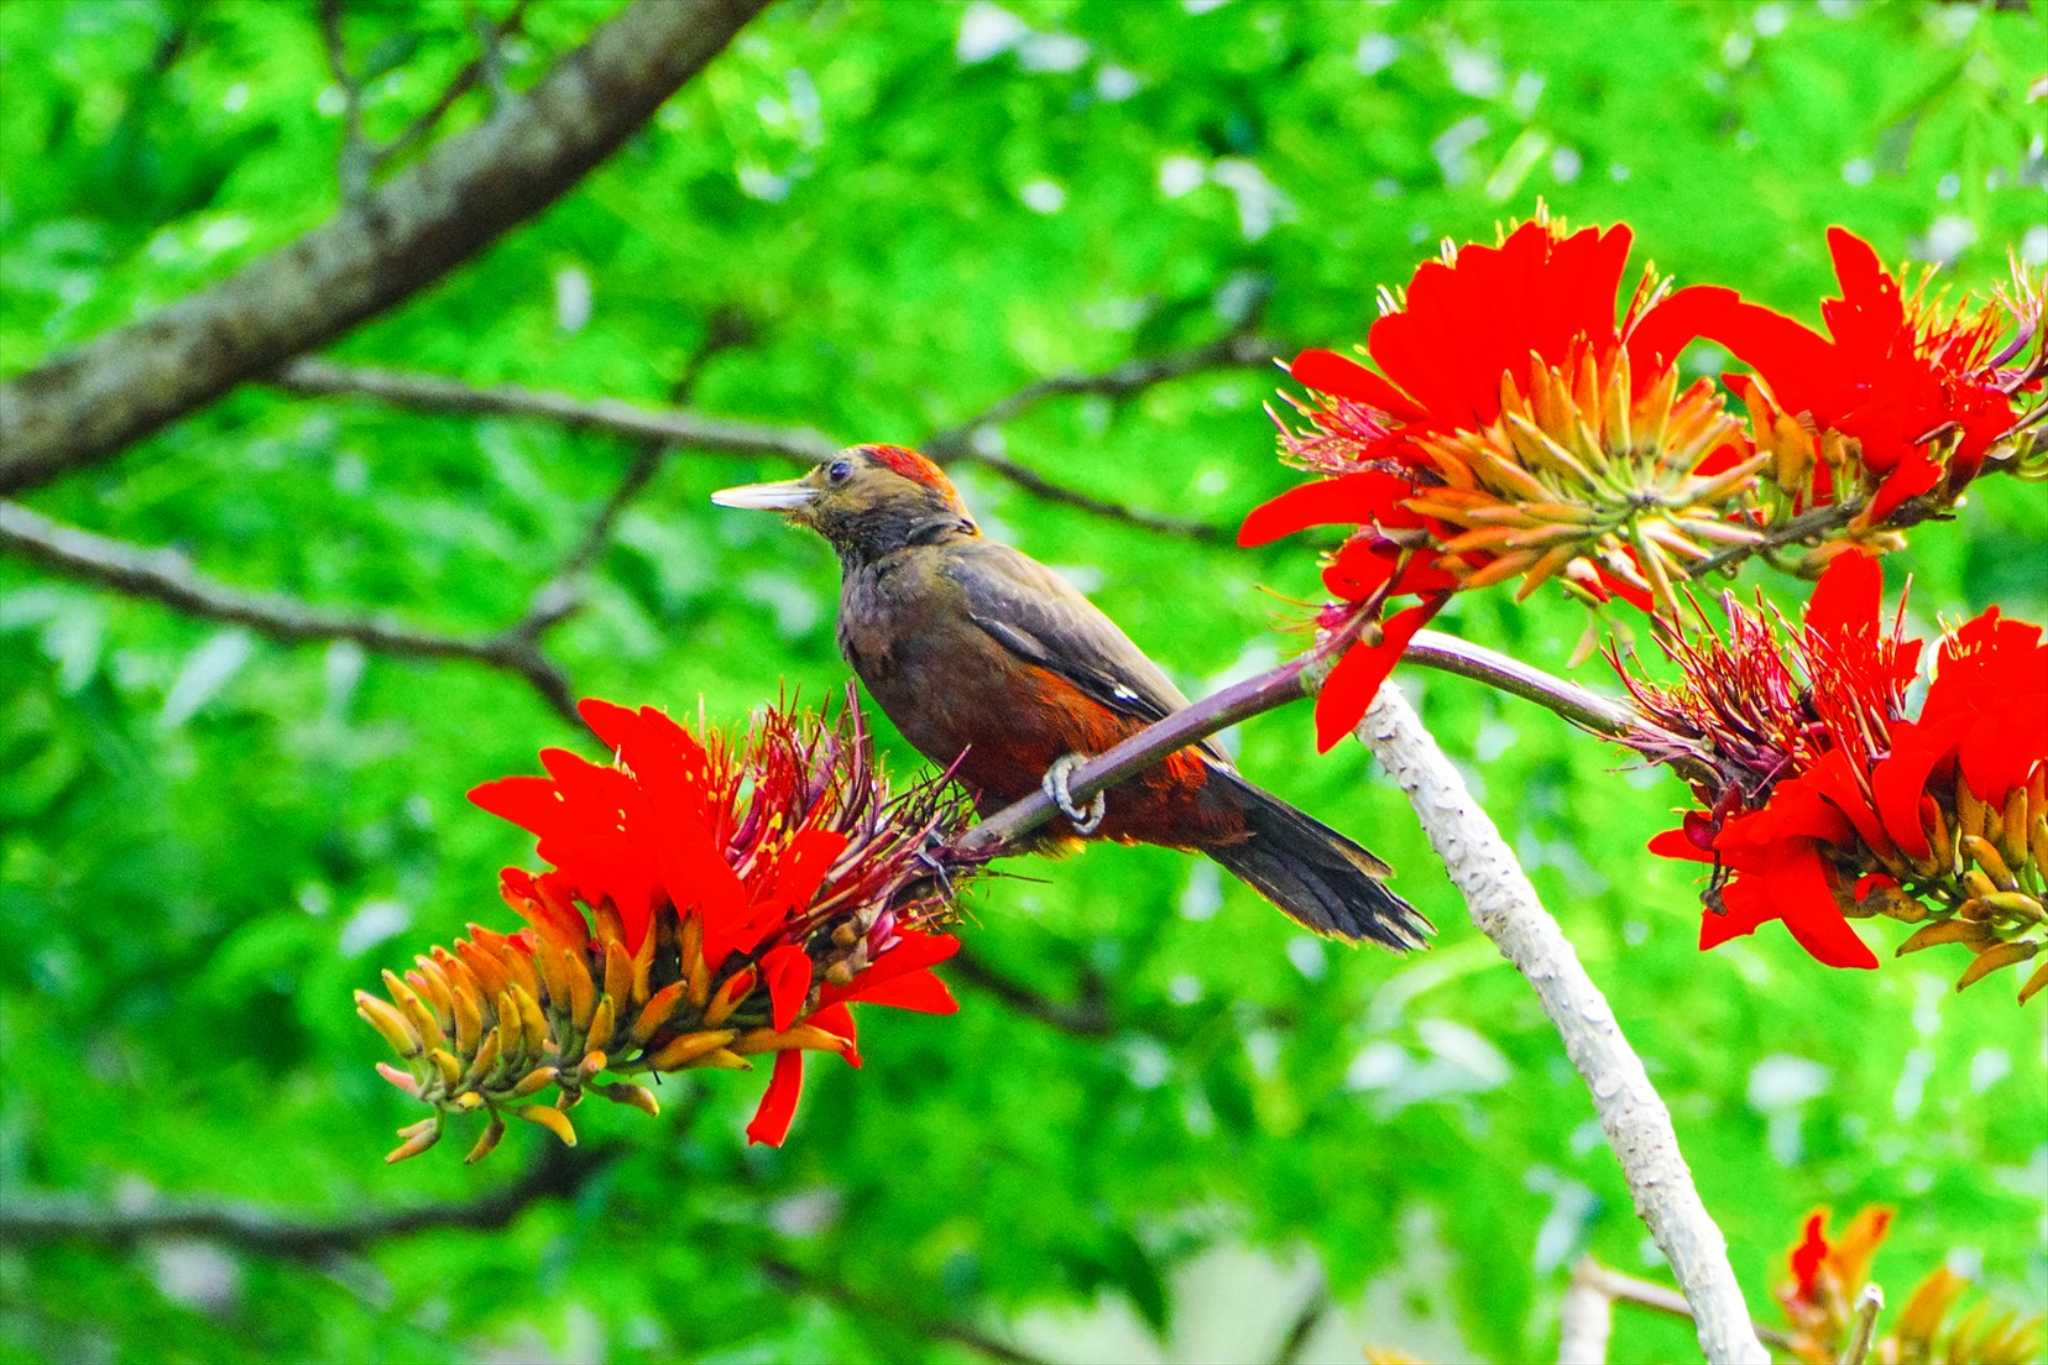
{"points": [[867, 500]]}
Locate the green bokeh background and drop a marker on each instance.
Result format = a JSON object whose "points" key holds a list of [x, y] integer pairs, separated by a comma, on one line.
{"points": [[207, 839]]}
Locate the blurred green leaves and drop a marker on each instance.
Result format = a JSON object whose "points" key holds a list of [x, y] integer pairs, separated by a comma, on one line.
{"points": [[207, 838]]}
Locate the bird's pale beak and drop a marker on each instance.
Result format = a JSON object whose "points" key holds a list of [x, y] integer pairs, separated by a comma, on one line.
{"points": [[786, 496]]}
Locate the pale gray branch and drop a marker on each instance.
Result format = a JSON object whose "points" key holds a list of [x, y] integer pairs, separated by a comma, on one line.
{"points": [[89, 403], [1638, 1126]]}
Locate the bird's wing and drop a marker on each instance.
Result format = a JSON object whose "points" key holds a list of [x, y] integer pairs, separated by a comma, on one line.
{"points": [[1044, 620]]}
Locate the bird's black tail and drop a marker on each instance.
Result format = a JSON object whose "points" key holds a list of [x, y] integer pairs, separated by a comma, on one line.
{"points": [[1321, 879]]}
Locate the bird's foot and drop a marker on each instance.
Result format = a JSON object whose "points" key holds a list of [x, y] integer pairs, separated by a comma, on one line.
{"points": [[935, 863], [1056, 781]]}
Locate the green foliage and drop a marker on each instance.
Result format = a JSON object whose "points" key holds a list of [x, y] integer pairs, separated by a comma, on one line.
{"points": [[210, 838]]}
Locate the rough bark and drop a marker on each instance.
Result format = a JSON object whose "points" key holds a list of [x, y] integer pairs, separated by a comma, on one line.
{"points": [[1638, 1127], [89, 403]]}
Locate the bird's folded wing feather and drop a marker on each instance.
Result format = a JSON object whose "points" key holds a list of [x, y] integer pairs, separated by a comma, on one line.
{"points": [[1044, 620]]}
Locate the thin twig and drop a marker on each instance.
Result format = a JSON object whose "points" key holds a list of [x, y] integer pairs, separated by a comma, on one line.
{"points": [[1658, 1298], [1585, 1319], [1086, 1017], [463, 81], [1236, 351], [356, 159], [790, 1277], [1306, 1320], [1506, 909], [166, 576], [957, 445], [611, 416], [1863, 1326], [32, 1217]]}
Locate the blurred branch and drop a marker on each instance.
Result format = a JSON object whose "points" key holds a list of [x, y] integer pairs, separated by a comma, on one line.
{"points": [[1586, 1318], [1306, 1320], [1591, 1280], [1086, 1017], [166, 576], [1638, 1126], [35, 1217], [963, 444], [356, 160], [609, 416], [87, 404], [790, 1278], [463, 82], [1236, 351]]}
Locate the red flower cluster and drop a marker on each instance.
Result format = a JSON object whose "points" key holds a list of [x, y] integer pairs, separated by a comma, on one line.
{"points": [[1514, 428], [1896, 400], [708, 901], [1473, 331], [1829, 800]]}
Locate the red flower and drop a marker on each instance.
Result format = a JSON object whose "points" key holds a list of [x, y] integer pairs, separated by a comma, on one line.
{"points": [[1513, 428], [1902, 398], [708, 901], [1828, 800]]}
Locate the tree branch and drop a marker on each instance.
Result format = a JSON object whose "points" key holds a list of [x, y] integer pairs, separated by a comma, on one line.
{"points": [[1086, 1017], [1638, 1127], [788, 1276], [165, 576], [355, 160], [29, 1217], [83, 406], [1589, 1276], [955, 446], [463, 82], [610, 416]]}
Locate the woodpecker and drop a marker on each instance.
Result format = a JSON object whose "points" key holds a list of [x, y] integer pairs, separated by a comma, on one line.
{"points": [[991, 663]]}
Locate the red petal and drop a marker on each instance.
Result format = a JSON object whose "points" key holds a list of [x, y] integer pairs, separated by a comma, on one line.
{"points": [[610, 722], [910, 953], [1793, 887], [1845, 602], [1913, 475], [1900, 781], [528, 802], [788, 973], [1342, 377], [1676, 843], [1806, 1258], [1349, 689], [1834, 778], [920, 992], [838, 1021], [1352, 499], [1660, 334], [778, 1105]]}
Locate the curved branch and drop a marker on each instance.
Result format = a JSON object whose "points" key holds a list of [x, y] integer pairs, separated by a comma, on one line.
{"points": [[165, 576], [795, 444], [28, 1218], [610, 416], [85, 405], [1638, 1126]]}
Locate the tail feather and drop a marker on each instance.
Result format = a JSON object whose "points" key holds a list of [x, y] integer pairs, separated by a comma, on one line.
{"points": [[1318, 877]]}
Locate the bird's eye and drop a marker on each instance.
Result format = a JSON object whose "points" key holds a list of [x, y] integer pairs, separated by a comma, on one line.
{"points": [[840, 471]]}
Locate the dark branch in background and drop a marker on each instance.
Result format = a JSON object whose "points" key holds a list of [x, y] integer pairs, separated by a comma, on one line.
{"points": [[787, 1276], [355, 160], [165, 576], [1310, 1316], [87, 404], [30, 1218], [464, 81], [1086, 1017], [962, 444]]}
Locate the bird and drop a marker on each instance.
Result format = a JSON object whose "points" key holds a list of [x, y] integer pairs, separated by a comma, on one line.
{"points": [[992, 665]]}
